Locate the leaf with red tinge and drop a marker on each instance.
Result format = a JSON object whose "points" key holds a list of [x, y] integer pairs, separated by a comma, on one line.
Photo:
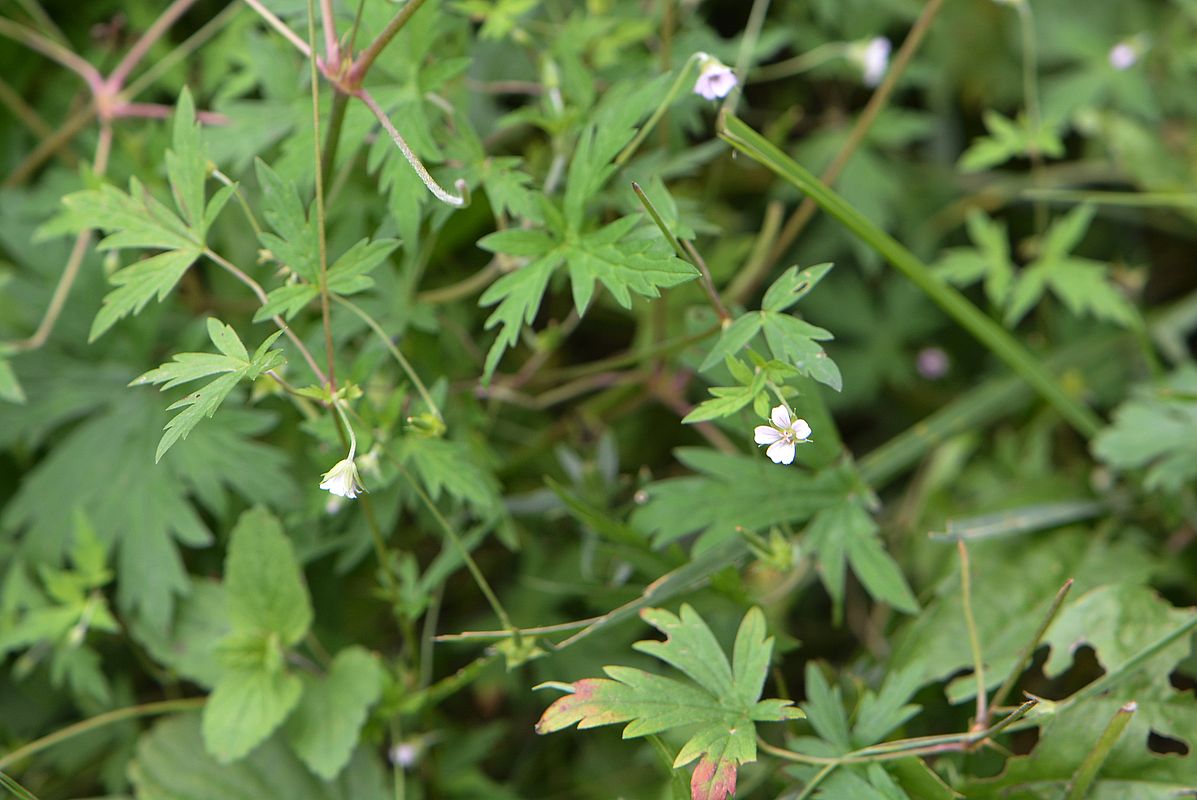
{"points": [[720, 700], [713, 782]]}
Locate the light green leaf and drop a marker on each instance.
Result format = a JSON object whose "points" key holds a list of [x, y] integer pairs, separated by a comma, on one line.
{"points": [[171, 764], [518, 295], [733, 337], [622, 266], [445, 465], [187, 164], [266, 590], [1154, 429], [10, 387], [324, 727], [138, 283], [724, 705], [518, 242], [245, 708], [294, 242], [792, 286]]}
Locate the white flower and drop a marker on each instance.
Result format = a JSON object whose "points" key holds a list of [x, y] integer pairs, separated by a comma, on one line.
{"points": [[715, 80], [1123, 56], [782, 435], [872, 57], [342, 480]]}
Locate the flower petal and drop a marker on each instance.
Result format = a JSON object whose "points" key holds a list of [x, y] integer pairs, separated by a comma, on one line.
{"points": [[781, 417], [801, 430], [765, 434], [781, 452]]}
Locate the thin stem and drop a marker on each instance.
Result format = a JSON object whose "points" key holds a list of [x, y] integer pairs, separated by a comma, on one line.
{"points": [[758, 264], [880, 98], [1030, 71], [646, 129], [752, 33], [249, 212], [35, 10], [321, 239], [425, 395], [465, 554], [280, 26], [183, 51], [336, 121], [332, 51], [1085, 774], [116, 79], [1024, 657], [463, 288], [25, 112], [799, 63], [49, 146], [460, 201], [814, 782], [974, 640], [338, 406], [54, 51], [260, 293], [361, 64], [96, 722]]}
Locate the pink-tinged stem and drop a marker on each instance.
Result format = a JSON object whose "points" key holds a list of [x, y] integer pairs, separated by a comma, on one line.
{"points": [[280, 26], [116, 79], [332, 51], [159, 111], [52, 50], [434, 187]]}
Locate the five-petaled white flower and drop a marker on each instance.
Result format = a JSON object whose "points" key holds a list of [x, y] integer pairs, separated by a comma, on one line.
{"points": [[342, 480], [782, 435], [715, 79]]}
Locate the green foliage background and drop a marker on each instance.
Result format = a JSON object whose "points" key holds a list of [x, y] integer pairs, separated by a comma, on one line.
{"points": [[549, 377]]}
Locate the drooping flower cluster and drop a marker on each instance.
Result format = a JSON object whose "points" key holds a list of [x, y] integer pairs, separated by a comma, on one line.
{"points": [[782, 436]]}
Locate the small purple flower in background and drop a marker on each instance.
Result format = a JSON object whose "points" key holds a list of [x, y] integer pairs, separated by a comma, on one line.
{"points": [[872, 57], [782, 435], [932, 363], [1126, 53], [715, 79]]}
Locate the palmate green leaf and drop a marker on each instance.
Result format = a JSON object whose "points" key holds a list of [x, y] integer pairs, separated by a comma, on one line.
{"points": [[294, 242], [170, 764], [1154, 429], [325, 726], [1008, 139], [731, 492], [988, 261], [266, 591], [245, 708], [639, 266], [727, 400], [452, 467], [723, 701], [846, 534], [187, 165], [141, 511], [138, 283], [518, 296], [233, 365], [345, 277]]}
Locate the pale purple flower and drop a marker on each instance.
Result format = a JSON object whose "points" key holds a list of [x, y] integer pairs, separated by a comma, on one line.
{"points": [[782, 435], [715, 79], [342, 480], [874, 60], [932, 363], [1123, 56]]}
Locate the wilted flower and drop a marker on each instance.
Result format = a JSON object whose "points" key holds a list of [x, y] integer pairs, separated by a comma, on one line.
{"points": [[782, 435], [342, 480], [715, 79]]}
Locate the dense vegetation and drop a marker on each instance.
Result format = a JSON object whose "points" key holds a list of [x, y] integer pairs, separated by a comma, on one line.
{"points": [[803, 388]]}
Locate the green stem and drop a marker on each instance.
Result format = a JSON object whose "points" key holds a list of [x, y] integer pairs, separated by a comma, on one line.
{"points": [[414, 703], [752, 34], [1030, 70], [996, 338], [336, 121], [96, 722], [249, 212], [321, 238], [1024, 657], [1087, 771], [648, 126], [425, 395], [466, 556], [974, 640]]}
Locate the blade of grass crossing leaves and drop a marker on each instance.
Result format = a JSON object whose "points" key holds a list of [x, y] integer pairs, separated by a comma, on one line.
{"points": [[988, 332]]}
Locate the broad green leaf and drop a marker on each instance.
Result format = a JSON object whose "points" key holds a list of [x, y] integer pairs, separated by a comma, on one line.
{"points": [[233, 366], [170, 763], [325, 726], [266, 590], [724, 705], [245, 708], [1154, 429], [10, 387], [189, 649]]}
